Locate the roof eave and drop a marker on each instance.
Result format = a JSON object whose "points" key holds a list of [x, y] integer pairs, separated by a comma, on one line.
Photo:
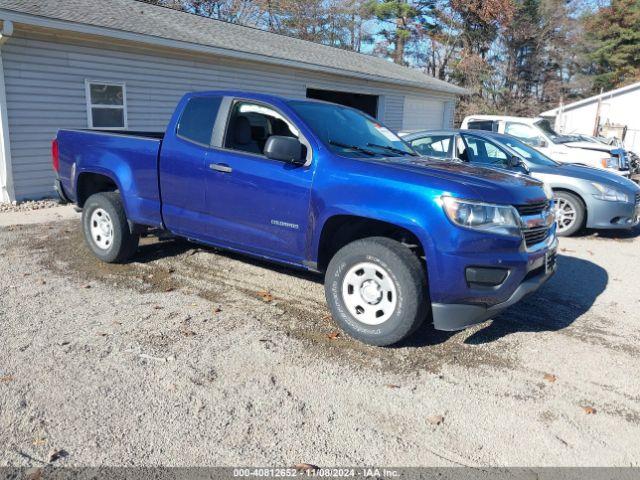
{"points": [[65, 25]]}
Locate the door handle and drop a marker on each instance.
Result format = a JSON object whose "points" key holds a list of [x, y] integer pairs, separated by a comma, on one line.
{"points": [[221, 167]]}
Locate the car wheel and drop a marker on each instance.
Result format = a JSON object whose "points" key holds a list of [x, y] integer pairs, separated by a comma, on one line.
{"points": [[106, 229], [376, 289], [570, 213]]}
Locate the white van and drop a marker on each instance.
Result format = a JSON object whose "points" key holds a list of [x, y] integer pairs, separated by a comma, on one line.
{"points": [[539, 133]]}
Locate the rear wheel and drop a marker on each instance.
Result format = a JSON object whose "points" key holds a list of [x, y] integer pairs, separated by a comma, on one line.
{"points": [[106, 230], [377, 291], [570, 213]]}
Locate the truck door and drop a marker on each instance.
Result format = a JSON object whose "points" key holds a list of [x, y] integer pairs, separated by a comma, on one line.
{"points": [[183, 167], [257, 204]]}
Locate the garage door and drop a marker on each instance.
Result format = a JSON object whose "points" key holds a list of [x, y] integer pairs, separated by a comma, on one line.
{"points": [[423, 113]]}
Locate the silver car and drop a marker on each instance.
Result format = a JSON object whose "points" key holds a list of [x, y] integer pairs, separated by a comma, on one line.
{"points": [[584, 196]]}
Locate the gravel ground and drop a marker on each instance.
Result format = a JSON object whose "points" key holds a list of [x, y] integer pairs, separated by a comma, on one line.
{"points": [[189, 356], [29, 205]]}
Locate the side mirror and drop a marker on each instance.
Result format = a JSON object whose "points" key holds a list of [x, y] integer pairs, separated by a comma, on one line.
{"points": [[515, 161], [284, 149]]}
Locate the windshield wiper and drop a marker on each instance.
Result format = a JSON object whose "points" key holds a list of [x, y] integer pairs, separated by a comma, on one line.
{"points": [[392, 149], [353, 147]]}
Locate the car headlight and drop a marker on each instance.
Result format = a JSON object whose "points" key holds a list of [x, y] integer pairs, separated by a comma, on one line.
{"points": [[609, 162], [609, 194], [485, 217]]}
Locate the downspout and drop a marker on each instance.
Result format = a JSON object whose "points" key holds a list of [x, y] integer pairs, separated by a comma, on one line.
{"points": [[7, 192]]}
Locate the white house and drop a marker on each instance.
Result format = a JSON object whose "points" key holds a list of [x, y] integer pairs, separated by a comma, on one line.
{"points": [[124, 64], [618, 107]]}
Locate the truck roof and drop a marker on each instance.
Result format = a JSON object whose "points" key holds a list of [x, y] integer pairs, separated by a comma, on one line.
{"points": [[265, 97]]}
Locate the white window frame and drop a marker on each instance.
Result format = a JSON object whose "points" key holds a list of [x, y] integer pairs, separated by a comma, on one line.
{"points": [[123, 107]]}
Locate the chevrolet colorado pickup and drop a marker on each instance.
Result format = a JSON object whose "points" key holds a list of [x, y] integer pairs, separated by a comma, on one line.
{"points": [[325, 188]]}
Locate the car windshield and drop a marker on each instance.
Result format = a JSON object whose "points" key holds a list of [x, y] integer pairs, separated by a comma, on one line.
{"points": [[348, 132], [527, 153], [548, 130]]}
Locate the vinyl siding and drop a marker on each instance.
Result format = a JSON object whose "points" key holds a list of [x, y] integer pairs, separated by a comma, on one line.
{"points": [[45, 85]]}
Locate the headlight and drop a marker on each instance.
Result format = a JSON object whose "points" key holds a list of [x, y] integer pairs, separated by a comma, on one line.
{"points": [[609, 162], [609, 194], [485, 217]]}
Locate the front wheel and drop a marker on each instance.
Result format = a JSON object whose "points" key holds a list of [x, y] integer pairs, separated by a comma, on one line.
{"points": [[570, 213], [106, 230], [376, 289]]}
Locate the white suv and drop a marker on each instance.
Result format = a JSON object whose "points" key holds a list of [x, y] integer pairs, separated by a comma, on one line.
{"points": [[539, 133]]}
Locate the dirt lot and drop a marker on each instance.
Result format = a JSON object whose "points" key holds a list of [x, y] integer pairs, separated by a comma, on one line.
{"points": [[193, 357]]}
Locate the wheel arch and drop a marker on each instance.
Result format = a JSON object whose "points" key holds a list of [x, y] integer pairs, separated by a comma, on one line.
{"points": [[90, 182], [341, 229]]}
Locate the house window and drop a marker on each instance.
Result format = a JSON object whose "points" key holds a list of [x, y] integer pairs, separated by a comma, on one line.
{"points": [[106, 105]]}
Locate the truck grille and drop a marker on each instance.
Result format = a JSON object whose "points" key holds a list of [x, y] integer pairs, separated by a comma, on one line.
{"points": [[536, 235], [535, 217], [532, 208]]}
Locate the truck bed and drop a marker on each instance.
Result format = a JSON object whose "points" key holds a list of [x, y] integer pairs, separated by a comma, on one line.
{"points": [[127, 133], [128, 158]]}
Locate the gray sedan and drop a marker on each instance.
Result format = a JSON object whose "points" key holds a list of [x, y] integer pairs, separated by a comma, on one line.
{"points": [[584, 196]]}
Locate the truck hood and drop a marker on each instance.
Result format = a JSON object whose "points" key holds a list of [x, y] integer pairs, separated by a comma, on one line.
{"points": [[475, 183], [598, 147]]}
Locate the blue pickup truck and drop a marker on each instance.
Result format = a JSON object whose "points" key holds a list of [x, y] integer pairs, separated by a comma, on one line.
{"points": [[323, 187]]}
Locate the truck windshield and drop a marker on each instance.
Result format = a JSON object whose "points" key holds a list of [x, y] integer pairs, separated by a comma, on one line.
{"points": [[548, 130], [349, 133], [526, 152]]}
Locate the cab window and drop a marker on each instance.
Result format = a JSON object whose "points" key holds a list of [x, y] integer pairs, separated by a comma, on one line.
{"points": [[433, 146], [488, 125], [197, 120], [251, 124], [526, 133]]}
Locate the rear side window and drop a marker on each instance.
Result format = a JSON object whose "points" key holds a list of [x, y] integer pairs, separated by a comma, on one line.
{"points": [[198, 118], [487, 125]]}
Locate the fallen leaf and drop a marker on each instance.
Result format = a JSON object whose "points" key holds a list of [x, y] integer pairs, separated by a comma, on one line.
{"points": [[391, 385], [43, 282], [265, 296], [38, 442], [6, 379], [33, 474], [86, 286], [188, 333], [589, 410], [157, 307], [333, 335], [102, 334], [305, 467], [57, 455], [435, 419], [549, 377], [171, 270], [169, 289], [217, 310]]}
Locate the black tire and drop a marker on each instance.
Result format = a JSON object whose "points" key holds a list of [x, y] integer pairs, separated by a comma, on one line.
{"points": [[123, 244], [581, 213], [406, 272]]}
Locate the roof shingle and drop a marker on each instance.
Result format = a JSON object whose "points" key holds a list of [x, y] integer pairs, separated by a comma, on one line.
{"points": [[141, 18]]}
